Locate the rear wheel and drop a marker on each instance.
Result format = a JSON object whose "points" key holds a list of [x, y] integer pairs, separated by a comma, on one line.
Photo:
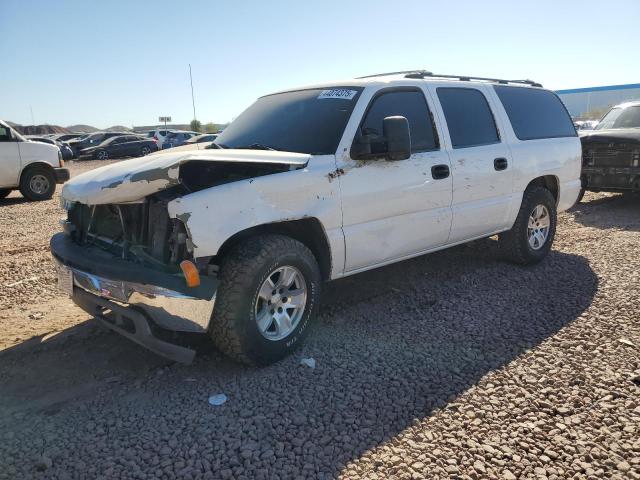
{"points": [[38, 183], [267, 299], [533, 232], [4, 192], [145, 151]]}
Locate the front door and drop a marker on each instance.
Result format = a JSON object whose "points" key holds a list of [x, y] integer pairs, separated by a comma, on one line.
{"points": [[395, 209], [481, 164], [9, 158]]}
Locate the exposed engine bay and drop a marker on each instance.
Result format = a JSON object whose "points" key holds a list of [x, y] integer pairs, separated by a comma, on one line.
{"points": [[142, 231]]}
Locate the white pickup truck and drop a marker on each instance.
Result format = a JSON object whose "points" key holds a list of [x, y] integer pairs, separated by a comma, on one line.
{"points": [[32, 167], [311, 185]]}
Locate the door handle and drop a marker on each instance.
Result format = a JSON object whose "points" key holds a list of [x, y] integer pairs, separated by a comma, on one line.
{"points": [[500, 163], [438, 172]]}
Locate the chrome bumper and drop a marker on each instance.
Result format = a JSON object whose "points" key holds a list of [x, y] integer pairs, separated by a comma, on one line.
{"points": [[169, 309]]}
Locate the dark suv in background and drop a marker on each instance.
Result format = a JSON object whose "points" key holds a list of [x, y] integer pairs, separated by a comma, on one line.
{"points": [[611, 152], [121, 146], [92, 140]]}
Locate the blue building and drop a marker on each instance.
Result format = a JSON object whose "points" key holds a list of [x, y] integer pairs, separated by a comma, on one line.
{"points": [[593, 102]]}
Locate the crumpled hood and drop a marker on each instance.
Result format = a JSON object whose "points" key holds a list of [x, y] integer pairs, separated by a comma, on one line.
{"points": [[614, 135], [135, 179]]}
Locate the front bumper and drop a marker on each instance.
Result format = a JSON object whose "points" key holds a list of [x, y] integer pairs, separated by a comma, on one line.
{"points": [[613, 179], [132, 299], [62, 174]]}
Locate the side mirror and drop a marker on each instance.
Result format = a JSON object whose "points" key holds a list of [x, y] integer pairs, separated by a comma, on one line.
{"points": [[398, 137]]}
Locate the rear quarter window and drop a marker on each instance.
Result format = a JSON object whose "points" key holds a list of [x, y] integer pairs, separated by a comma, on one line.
{"points": [[469, 117], [534, 113]]}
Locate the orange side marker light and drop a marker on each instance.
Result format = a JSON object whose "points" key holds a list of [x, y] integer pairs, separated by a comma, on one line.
{"points": [[190, 272]]}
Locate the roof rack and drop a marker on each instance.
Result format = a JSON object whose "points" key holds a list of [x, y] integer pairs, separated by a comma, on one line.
{"points": [[420, 74]]}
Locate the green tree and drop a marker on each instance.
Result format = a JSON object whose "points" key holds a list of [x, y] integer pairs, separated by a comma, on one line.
{"points": [[196, 126], [211, 127]]}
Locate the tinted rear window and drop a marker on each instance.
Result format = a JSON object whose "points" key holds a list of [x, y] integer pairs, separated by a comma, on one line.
{"points": [[535, 113], [468, 116]]}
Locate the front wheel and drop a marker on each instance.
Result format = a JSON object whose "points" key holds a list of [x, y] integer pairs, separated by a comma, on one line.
{"points": [[267, 299], [102, 155], [38, 183], [4, 192], [532, 234]]}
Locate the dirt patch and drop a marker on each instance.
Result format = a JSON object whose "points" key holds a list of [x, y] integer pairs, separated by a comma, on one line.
{"points": [[454, 364]]}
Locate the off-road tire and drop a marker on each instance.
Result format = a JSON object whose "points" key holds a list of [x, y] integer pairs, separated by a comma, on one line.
{"points": [[515, 242], [4, 192], [243, 270], [25, 183]]}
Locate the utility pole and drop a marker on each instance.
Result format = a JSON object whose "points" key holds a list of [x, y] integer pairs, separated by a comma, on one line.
{"points": [[193, 101], [32, 120]]}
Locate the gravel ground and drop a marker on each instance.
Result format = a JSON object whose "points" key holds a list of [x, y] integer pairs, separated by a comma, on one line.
{"points": [[450, 365]]}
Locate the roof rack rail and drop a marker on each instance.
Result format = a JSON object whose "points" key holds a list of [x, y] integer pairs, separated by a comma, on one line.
{"points": [[420, 74]]}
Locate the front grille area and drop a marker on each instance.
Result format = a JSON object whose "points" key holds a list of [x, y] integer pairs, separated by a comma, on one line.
{"points": [[140, 232], [616, 156]]}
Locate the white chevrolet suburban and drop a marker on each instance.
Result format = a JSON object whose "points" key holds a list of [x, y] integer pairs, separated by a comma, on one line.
{"points": [[32, 167], [311, 185]]}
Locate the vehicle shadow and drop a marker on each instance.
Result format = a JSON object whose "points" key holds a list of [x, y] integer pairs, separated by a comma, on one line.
{"points": [[12, 200], [609, 211], [391, 346]]}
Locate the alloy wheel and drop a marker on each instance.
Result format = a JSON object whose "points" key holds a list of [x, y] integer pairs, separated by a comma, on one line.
{"points": [[281, 303], [538, 227]]}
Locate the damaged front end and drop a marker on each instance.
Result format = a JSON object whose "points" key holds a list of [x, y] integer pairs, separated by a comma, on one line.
{"points": [[123, 259], [611, 161]]}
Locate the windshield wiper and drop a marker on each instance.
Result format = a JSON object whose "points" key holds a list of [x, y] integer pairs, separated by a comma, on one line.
{"points": [[256, 146]]}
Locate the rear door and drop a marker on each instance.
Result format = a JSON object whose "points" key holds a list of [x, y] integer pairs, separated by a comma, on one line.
{"points": [[395, 209], [481, 165], [116, 147], [131, 146], [9, 158]]}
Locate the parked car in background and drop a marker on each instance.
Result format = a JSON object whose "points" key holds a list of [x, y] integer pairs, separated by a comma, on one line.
{"points": [[585, 124], [67, 153], [205, 137], [186, 147], [159, 134], [92, 140], [65, 137], [611, 152], [177, 138], [312, 185], [121, 146], [32, 167]]}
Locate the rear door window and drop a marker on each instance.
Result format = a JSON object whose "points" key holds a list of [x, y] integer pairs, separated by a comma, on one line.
{"points": [[410, 104], [5, 135], [468, 117], [535, 113]]}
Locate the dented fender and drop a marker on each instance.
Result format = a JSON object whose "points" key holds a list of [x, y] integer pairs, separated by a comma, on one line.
{"points": [[213, 215]]}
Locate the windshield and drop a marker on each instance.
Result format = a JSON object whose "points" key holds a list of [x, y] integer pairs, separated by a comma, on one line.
{"points": [[304, 121], [621, 118]]}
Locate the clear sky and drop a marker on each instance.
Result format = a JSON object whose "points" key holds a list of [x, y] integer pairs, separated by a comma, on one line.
{"points": [[107, 63]]}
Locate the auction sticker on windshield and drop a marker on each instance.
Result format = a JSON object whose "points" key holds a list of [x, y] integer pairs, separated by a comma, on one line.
{"points": [[339, 93]]}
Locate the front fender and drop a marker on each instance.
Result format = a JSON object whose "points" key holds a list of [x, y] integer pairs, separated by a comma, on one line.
{"points": [[213, 215]]}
